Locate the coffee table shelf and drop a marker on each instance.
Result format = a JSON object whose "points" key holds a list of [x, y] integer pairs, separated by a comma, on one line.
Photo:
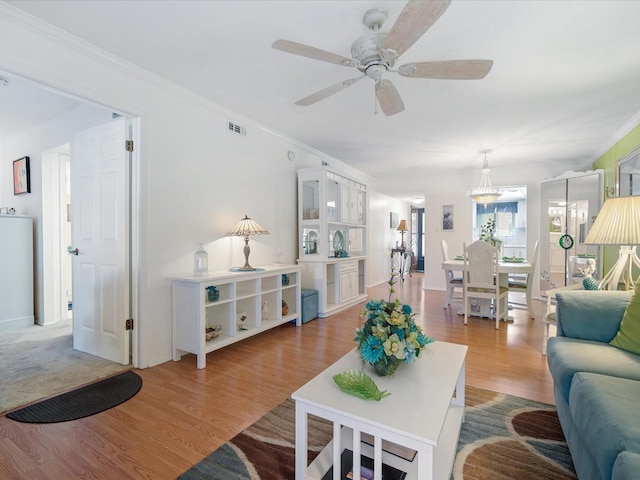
{"points": [[424, 413]]}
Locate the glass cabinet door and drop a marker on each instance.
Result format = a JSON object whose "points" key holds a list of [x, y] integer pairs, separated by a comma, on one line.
{"points": [[332, 200], [583, 204], [361, 207], [346, 204], [569, 207], [552, 257], [311, 200], [311, 240], [355, 245]]}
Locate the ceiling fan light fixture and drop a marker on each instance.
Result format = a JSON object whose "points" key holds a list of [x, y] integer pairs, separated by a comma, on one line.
{"points": [[375, 18], [486, 192]]}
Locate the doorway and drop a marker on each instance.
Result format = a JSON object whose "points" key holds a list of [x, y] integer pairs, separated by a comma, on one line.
{"points": [[417, 237]]}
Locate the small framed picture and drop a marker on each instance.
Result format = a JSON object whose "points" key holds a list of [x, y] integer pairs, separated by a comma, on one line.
{"points": [[447, 218], [394, 219], [21, 176]]}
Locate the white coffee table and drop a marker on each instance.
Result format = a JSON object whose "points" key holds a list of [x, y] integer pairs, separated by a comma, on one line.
{"points": [[424, 413]]}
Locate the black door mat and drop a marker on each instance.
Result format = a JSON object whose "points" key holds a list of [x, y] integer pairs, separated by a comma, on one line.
{"points": [[82, 402]]}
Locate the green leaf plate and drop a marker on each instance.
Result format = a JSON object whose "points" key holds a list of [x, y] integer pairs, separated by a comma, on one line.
{"points": [[356, 382]]}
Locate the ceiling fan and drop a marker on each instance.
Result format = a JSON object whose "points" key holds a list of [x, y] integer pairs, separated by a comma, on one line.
{"points": [[375, 54]]}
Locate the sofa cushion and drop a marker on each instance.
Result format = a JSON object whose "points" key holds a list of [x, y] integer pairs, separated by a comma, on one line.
{"points": [[605, 412], [626, 467], [567, 356], [628, 337], [591, 315]]}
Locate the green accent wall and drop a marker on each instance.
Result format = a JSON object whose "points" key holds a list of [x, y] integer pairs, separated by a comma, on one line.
{"points": [[607, 162]]}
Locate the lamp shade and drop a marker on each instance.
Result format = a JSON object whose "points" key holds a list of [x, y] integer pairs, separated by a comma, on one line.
{"points": [[247, 227], [617, 223], [402, 227]]}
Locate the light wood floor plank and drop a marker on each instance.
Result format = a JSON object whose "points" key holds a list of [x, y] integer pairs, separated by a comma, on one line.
{"points": [[182, 414]]}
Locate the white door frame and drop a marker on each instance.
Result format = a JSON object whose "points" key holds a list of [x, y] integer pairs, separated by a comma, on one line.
{"points": [[55, 284]]}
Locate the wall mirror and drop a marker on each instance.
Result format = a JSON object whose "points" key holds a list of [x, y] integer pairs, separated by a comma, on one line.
{"points": [[628, 174]]}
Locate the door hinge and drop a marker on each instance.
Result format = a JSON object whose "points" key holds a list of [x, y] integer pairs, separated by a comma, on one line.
{"points": [[129, 145], [128, 324]]}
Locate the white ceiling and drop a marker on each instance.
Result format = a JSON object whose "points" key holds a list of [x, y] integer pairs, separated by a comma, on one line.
{"points": [[564, 81], [23, 104]]}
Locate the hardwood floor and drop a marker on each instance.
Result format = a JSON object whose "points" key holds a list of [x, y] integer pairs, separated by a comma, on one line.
{"points": [[182, 414]]}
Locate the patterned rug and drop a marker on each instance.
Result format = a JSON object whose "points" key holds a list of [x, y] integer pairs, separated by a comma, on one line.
{"points": [[503, 438]]}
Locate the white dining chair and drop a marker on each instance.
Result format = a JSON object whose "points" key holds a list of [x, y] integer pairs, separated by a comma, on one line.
{"points": [[481, 279], [549, 317], [525, 285], [453, 282]]}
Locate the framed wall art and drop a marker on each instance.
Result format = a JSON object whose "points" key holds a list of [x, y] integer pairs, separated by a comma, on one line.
{"points": [[21, 176], [394, 219], [447, 218]]}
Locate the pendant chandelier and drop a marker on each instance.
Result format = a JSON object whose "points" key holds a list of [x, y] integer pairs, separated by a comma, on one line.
{"points": [[485, 193]]}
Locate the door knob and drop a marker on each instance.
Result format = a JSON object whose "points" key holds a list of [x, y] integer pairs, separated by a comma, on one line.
{"points": [[72, 251]]}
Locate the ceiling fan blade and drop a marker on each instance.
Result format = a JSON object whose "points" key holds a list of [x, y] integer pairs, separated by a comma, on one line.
{"points": [[388, 98], [414, 20], [322, 94], [448, 69], [313, 52]]}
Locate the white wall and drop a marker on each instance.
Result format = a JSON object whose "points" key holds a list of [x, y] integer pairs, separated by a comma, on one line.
{"points": [[33, 143], [381, 236], [197, 178]]}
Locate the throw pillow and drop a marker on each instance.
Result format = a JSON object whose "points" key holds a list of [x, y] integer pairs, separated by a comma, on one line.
{"points": [[628, 337]]}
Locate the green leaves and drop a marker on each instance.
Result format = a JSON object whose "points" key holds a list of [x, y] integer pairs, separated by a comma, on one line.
{"points": [[356, 382]]}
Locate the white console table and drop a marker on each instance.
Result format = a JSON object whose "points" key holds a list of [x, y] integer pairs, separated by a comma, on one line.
{"points": [[257, 294]]}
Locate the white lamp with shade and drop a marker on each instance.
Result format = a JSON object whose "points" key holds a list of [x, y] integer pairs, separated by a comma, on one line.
{"points": [[618, 223], [245, 228]]}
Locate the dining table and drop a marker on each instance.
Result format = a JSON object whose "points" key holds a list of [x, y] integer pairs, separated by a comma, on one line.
{"points": [[506, 266]]}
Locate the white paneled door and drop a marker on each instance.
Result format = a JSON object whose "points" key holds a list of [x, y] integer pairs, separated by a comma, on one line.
{"points": [[100, 232]]}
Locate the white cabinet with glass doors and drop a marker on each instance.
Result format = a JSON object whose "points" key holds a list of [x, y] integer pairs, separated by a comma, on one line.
{"points": [[569, 205], [332, 234]]}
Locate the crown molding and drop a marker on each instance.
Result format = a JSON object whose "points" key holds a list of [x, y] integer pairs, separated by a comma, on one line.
{"points": [[86, 49], [619, 135]]}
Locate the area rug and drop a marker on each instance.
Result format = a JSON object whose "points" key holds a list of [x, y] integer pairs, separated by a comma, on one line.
{"points": [[81, 402], [503, 437], [37, 362]]}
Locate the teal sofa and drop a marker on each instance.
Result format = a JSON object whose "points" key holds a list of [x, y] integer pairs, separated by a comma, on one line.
{"points": [[596, 385]]}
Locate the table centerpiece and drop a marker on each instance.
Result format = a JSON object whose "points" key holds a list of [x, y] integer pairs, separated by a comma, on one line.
{"points": [[389, 335]]}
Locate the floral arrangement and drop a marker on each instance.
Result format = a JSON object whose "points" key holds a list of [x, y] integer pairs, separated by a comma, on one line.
{"points": [[389, 335], [488, 230]]}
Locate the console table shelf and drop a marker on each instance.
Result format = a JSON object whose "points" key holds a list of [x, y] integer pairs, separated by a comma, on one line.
{"points": [[248, 303]]}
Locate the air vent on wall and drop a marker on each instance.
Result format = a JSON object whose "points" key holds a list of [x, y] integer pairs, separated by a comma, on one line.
{"points": [[235, 128]]}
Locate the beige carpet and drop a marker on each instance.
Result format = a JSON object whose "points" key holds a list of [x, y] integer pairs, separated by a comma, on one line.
{"points": [[39, 361]]}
